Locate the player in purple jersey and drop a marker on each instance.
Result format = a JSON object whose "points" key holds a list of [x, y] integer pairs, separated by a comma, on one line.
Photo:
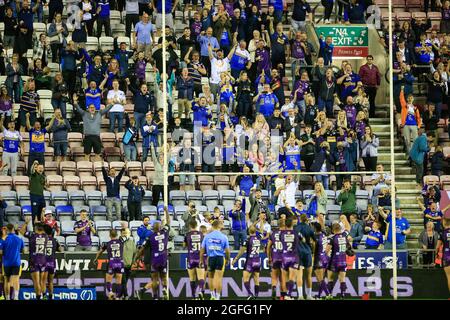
{"points": [[275, 254], [51, 248], [157, 244], [193, 242], [116, 268], [290, 262], [444, 241], [337, 250], [37, 242], [321, 258], [252, 266]]}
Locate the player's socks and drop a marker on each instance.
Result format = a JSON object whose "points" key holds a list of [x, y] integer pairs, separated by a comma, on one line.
{"points": [[108, 288], [2, 289], [343, 288], [247, 287], [193, 288], [50, 296], [290, 287], [308, 292], [256, 290], [330, 286], [201, 285], [300, 292], [322, 288], [274, 292], [119, 290], [11, 293], [16, 294], [213, 295], [38, 297], [217, 296]]}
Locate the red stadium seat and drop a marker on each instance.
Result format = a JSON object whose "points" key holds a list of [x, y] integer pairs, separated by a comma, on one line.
{"points": [[446, 151], [75, 139], [134, 168], [77, 153], [419, 15], [118, 165], [51, 167], [88, 183], [403, 16], [108, 139], [143, 181], [67, 168], [112, 154], [84, 168], [71, 183], [21, 183], [205, 182], [98, 167], [445, 182], [49, 152], [55, 183], [222, 182], [6, 183]]}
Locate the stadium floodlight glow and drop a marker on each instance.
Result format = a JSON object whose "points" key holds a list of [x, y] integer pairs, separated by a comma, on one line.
{"points": [[392, 121]]}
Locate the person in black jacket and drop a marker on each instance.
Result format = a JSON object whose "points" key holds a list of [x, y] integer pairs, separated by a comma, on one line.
{"points": [[436, 91], [276, 125], [323, 163], [112, 182], [3, 206], [130, 138], [292, 122], [437, 162], [430, 120], [144, 101], [307, 152], [135, 195]]}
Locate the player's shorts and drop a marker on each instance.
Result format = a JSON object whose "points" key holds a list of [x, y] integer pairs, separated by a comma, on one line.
{"points": [[277, 264], [37, 267], [159, 266], [334, 267], [12, 271], [253, 266], [290, 262], [115, 267], [216, 263], [305, 260], [50, 268], [321, 262], [193, 263]]}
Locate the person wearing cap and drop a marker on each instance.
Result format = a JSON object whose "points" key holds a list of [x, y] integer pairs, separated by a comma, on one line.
{"points": [[135, 195], [47, 218]]}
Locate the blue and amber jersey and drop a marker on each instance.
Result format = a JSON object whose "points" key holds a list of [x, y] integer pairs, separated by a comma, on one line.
{"points": [[37, 140]]}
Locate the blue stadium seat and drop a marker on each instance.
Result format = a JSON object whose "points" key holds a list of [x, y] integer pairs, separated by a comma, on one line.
{"points": [[62, 241], [177, 197], [67, 228], [71, 243], [118, 225], [77, 198], [147, 201], [98, 213], [24, 197], [10, 197], [227, 198], [47, 197], [103, 227], [95, 243], [195, 196], [179, 210], [60, 198], [211, 197], [94, 198], [134, 225], [150, 211], [64, 213], [26, 211], [298, 194], [13, 214]]}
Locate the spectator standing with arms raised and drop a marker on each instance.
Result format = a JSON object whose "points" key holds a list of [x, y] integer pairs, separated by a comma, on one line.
{"points": [[92, 121], [113, 190], [37, 187]]}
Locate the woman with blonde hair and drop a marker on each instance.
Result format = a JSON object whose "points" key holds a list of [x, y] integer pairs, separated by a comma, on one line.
{"points": [[363, 100], [341, 121], [261, 127], [317, 203], [321, 121], [361, 123]]}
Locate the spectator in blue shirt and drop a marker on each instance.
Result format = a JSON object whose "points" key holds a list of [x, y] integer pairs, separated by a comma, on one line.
{"points": [[354, 12], [206, 39], [170, 9], [238, 224], [349, 82], [266, 102], [10, 250], [326, 50], [144, 231], [374, 238], [431, 214], [37, 140], [278, 6], [103, 18], [402, 229], [201, 111]]}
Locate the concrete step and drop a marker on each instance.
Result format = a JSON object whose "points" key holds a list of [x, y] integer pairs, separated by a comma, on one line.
{"points": [[411, 199], [402, 185], [387, 156], [398, 163], [397, 149]]}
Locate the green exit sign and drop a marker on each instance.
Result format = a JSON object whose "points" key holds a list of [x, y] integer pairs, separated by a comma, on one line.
{"points": [[348, 41]]}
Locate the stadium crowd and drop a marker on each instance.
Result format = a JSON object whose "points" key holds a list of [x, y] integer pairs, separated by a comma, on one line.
{"points": [[82, 113]]}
